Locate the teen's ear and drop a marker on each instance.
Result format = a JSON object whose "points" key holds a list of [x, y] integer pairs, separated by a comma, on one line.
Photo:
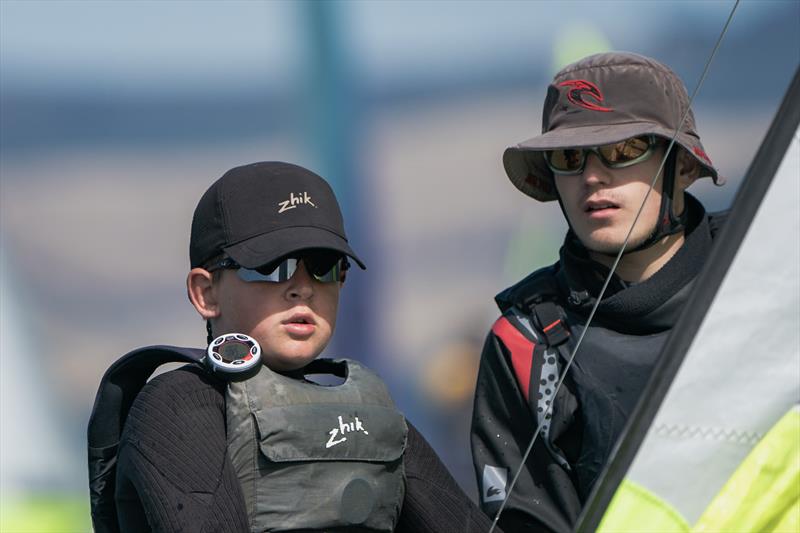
{"points": [[687, 170], [201, 291]]}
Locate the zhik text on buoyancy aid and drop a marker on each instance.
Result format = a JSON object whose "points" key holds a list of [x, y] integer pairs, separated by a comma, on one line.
{"points": [[309, 457]]}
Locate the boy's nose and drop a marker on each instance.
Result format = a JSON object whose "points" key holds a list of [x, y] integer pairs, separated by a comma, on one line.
{"points": [[301, 285]]}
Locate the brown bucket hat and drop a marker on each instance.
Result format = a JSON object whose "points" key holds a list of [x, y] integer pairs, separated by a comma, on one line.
{"points": [[602, 99]]}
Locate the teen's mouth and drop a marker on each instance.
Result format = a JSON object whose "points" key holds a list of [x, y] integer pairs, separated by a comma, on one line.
{"points": [[599, 208]]}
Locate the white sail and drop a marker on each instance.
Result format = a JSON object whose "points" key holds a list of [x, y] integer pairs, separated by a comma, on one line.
{"points": [[711, 444], [29, 424], [742, 372]]}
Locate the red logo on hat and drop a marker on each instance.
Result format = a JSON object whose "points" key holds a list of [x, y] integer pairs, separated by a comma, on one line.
{"points": [[581, 89], [538, 183], [701, 154]]}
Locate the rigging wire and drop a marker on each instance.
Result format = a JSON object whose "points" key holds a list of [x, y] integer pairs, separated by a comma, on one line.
{"points": [[616, 262]]}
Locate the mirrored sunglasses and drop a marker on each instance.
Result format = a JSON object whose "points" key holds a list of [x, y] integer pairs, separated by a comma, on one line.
{"points": [[325, 267], [615, 155]]}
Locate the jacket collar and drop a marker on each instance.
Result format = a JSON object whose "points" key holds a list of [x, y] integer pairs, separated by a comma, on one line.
{"points": [[642, 308]]}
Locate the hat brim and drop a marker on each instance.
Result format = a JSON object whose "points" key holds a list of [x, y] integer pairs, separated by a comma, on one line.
{"points": [[268, 247], [526, 168]]}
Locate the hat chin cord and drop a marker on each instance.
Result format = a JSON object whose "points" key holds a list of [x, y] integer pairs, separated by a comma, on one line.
{"points": [[668, 223]]}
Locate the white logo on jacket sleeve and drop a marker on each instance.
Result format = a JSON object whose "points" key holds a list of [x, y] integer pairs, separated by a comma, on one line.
{"points": [[494, 483], [344, 427], [294, 201]]}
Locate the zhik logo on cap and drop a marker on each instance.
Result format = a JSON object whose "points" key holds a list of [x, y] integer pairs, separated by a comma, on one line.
{"points": [[581, 89], [293, 201]]}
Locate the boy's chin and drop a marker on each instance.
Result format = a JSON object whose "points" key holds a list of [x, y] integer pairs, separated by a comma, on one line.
{"points": [[289, 362]]}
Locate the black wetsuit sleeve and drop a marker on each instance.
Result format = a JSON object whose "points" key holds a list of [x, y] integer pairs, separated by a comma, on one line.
{"points": [[174, 474], [434, 502]]}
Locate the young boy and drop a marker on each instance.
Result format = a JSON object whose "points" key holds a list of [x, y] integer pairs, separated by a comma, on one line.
{"points": [[607, 122], [268, 450]]}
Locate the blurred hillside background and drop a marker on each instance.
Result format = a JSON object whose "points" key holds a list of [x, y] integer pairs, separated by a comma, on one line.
{"points": [[116, 116]]}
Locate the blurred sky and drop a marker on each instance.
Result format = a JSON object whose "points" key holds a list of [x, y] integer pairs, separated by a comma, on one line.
{"points": [[115, 117], [201, 46]]}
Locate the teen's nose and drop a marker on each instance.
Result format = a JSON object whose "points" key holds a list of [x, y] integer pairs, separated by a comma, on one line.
{"points": [[301, 285], [594, 171]]}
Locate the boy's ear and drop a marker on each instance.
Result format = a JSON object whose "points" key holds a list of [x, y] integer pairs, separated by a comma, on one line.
{"points": [[687, 170], [201, 291]]}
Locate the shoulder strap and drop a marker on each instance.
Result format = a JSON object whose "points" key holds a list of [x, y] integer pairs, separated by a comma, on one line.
{"points": [[531, 317], [118, 388], [535, 339], [550, 320]]}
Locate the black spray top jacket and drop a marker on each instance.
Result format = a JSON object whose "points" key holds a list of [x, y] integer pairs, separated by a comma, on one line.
{"points": [[525, 353]]}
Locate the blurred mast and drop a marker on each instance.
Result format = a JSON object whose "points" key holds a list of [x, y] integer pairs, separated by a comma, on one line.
{"points": [[332, 129]]}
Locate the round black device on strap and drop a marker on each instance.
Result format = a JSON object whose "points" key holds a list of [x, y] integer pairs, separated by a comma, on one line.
{"points": [[233, 354]]}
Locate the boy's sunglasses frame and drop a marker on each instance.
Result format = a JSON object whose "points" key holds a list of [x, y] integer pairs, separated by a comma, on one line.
{"points": [[283, 269], [652, 143]]}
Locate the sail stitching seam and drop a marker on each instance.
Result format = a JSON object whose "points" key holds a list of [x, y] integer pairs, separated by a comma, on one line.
{"points": [[707, 433]]}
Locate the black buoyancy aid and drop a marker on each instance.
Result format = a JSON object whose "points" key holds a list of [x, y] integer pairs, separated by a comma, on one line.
{"points": [[529, 346], [309, 457], [536, 335]]}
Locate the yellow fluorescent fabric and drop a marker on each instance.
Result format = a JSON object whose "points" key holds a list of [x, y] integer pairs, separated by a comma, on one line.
{"points": [[764, 492], [635, 509], [763, 495]]}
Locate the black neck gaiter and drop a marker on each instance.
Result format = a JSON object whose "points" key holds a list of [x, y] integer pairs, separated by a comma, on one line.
{"points": [[650, 306]]}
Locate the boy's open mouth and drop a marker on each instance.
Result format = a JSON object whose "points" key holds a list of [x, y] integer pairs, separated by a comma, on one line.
{"points": [[300, 324], [301, 321]]}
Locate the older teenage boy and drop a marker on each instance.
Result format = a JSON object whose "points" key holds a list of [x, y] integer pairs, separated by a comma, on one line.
{"points": [[607, 122], [270, 451]]}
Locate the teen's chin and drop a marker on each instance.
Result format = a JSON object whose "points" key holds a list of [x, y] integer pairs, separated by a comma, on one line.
{"points": [[603, 242]]}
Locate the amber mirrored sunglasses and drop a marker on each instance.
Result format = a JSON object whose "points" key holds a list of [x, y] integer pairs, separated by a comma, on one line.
{"points": [[615, 155]]}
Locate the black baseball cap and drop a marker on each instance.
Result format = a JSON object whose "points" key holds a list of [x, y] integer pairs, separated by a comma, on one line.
{"points": [[603, 99], [261, 212]]}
